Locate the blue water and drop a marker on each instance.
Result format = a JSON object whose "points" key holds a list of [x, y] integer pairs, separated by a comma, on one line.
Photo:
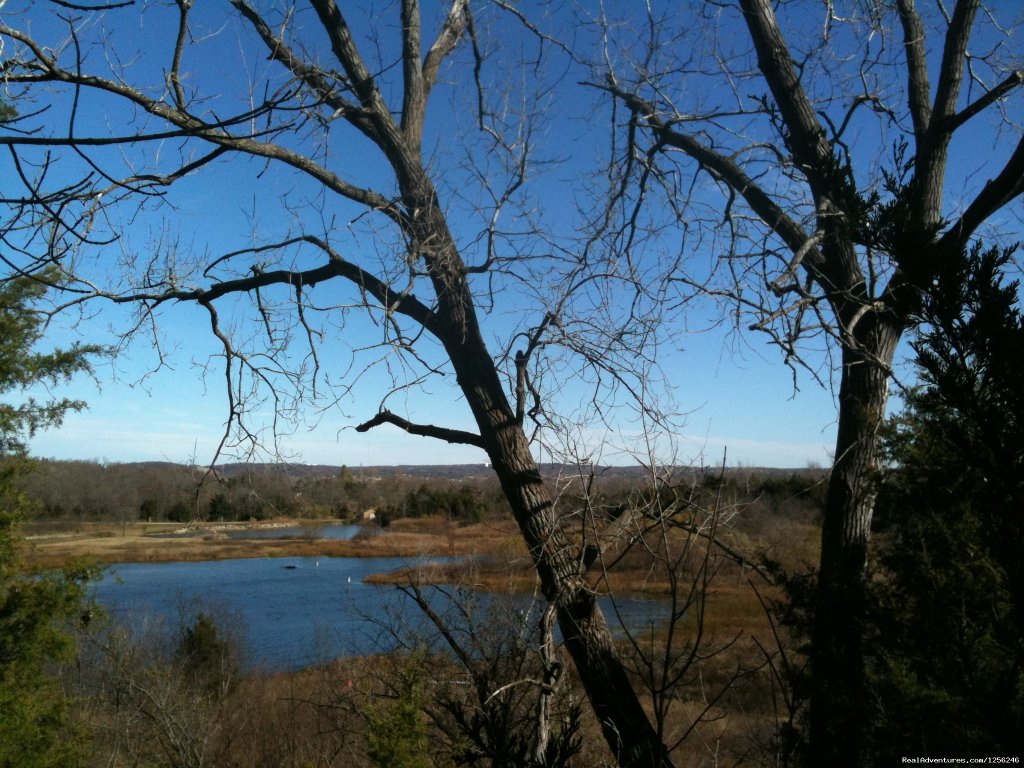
{"points": [[292, 612], [312, 531], [330, 531]]}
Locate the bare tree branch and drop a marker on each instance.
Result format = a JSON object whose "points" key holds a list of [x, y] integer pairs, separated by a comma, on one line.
{"points": [[918, 89], [363, 84], [448, 37], [423, 430], [316, 79], [731, 173], [1015, 79], [996, 194], [808, 142], [931, 159]]}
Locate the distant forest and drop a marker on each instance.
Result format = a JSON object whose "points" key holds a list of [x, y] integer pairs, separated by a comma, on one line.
{"points": [[155, 491]]}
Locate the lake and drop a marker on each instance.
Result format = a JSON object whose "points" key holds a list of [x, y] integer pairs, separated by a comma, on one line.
{"points": [[328, 531], [292, 612], [310, 531]]}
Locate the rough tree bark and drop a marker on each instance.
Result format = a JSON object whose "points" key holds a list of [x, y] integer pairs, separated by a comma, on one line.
{"points": [[838, 686]]}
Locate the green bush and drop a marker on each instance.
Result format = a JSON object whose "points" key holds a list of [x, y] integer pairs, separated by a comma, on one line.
{"points": [[179, 512], [947, 657], [396, 735], [209, 660]]}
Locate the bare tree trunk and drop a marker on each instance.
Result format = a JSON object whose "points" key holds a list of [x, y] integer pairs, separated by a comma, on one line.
{"points": [[838, 724], [625, 725]]}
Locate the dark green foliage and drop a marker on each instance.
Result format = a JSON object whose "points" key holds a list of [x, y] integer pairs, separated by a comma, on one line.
{"points": [[461, 503], [35, 725], [208, 658], [21, 328], [148, 508], [35, 728], [179, 513], [890, 226], [221, 508], [947, 652], [397, 735]]}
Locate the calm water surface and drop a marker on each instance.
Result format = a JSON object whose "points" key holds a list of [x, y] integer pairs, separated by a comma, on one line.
{"points": [[330, 531], [290, 612], [314, 531]]}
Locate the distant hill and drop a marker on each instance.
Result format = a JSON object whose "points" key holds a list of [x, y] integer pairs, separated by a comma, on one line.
{"points": [[483, 471]]}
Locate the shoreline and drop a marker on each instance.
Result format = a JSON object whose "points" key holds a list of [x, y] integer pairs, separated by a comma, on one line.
{"points": [[491, 555], [105, 543]]}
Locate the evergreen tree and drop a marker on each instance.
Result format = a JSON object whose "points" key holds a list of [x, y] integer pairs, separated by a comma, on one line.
{"points": [[35, 727], [947, 657], [209, 660], [21, 329], [397, 735]]}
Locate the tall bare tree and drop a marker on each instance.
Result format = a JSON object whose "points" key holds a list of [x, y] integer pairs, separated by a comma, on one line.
{"points": [[334, 113], [833, 161]]}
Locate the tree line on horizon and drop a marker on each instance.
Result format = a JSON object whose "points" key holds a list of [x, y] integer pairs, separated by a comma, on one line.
{"points": [[83, 491]]}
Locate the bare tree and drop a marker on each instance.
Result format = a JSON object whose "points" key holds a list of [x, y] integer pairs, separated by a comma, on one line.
{"points": [[510, 704], [333, 112], [514, 706], [832, 162], [145, 706]]}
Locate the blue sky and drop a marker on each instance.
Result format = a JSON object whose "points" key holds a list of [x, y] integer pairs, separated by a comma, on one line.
{"points": [[727, 391], [742, 403]]}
